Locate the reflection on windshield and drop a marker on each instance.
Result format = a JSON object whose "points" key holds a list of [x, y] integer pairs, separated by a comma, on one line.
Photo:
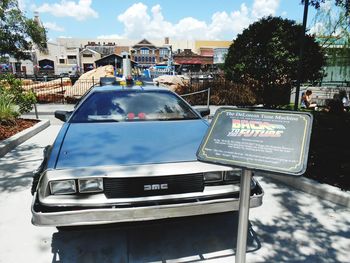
{"points": [[116, 106]]}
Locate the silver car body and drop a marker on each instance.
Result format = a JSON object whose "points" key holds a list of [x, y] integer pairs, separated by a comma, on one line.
{"points": [[151, 154]]}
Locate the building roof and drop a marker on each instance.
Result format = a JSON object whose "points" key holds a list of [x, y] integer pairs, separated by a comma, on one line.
{"points": [[113, 56], [189, 61], [144, 43], [89, 50]]}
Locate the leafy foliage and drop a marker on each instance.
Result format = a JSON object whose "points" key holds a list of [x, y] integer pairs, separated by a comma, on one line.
{"points": [[341, 3], [222, 92], [8, 111], [11, 88], [267, 54], [18, 33]]}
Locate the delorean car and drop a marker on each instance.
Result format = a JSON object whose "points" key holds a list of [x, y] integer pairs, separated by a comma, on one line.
{"points": [[128, 153]]}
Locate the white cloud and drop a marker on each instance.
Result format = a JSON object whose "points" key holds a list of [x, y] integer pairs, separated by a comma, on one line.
{"points": [[53, 27], [284, 14], [140, 22], [78, 10], [263, 8]]}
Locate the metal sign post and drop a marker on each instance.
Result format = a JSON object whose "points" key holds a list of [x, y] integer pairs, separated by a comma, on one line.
{"points": [[256, 139], [243, 218]]}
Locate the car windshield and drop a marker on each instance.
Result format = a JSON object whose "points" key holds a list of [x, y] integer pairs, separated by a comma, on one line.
{"points": [[132, 105]]}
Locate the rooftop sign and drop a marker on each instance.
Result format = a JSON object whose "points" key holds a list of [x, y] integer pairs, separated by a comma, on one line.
{"points": [[275, 141]]}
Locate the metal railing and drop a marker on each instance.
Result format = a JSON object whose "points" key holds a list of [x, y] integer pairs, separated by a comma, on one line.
{"points": [[61, 90], [198, 92]]}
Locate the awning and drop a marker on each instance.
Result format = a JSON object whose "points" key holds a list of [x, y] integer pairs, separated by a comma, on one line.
{"points": [[189, 61]]}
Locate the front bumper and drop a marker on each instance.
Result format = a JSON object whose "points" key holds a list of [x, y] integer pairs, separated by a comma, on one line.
{"points": [[113, 214]]}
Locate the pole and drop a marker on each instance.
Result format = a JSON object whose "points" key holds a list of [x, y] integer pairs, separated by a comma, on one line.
{"points": [[243, 217], [35, 108], [301, 53], [62, 90], [208, 99]]}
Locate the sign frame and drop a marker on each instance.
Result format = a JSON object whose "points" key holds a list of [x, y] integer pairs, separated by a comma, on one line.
{"points": [[306, 117]]}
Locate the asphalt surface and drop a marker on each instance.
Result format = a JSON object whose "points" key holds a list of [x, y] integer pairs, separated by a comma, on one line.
{"points": [[290, 226]]}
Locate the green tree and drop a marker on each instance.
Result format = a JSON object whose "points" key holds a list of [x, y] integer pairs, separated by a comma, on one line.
{"points": [[18, 34], [267, 53], [345, 4]]}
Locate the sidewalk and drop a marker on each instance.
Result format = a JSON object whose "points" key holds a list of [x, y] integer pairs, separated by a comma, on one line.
{"points": [[46, 111], [290, 226]]}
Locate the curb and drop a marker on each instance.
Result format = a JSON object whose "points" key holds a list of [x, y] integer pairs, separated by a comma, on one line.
{"points": [[324, 191], [15, 140]]}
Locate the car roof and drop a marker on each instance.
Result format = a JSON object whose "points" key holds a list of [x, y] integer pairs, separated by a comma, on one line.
{"points": [[129, 87]]}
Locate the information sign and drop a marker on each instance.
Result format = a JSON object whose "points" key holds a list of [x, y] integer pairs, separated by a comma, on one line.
{"points": [[275, 141]]}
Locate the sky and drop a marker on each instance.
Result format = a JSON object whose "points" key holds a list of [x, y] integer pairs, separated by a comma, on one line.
{"points": [[156, 19]]}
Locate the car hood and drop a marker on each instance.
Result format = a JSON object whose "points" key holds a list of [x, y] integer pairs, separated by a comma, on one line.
{"points": [[127, 143]]}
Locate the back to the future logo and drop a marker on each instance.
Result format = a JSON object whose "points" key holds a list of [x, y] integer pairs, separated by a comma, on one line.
{"points": [[248, 128]]}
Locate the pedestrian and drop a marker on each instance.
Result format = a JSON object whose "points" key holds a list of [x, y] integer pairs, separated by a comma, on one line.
{"points": [[306, 100]]}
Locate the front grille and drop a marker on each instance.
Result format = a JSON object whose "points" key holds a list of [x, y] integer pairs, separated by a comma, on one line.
{"points": [[135, 186]]}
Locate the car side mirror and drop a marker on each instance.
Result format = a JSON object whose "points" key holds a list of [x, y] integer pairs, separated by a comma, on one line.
{"points": [[203, 111], [62, 115]]}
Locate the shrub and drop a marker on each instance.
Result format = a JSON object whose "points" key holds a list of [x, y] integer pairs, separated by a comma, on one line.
{"points": [[13, 88], [222, 92], [8, 110]]}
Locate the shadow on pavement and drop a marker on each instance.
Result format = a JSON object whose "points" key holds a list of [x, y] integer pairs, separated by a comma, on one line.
{"points": [[17, 166], [190, 239], [300, 234]]}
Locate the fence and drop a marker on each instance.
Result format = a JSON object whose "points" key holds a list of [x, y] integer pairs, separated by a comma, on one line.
{"points": [[199, 92], [216, 90], [322, 94], [61, 90]]}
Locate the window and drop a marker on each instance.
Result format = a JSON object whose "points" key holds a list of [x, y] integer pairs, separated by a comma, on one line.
{"points": [[87, 55], [62, 61], [163, 52], [144, 51], [133, 105], [72, 59]]}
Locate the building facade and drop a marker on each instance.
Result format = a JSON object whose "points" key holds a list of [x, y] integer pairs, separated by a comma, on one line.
{"points": [[219, 55], [145, 53], [87, 59]]}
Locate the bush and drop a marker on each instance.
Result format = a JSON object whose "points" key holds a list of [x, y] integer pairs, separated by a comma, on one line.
{"points": [[13, 88], [222, 92], [329, 152], [8, 110]]}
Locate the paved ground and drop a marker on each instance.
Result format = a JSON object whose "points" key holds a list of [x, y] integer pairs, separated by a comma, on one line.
{"points": [[290, 226]]}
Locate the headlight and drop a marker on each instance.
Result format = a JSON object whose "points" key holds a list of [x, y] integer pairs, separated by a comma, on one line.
{"points": [[91, 185], [62, 187], [234, 175], [211, 177]]}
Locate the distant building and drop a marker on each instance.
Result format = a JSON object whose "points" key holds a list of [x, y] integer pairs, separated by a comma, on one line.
{"points": [[87, 59], [337, 67], [192, 61], [119, 50], [104, 48], [220, 55], [145, 53], [210, 44]]}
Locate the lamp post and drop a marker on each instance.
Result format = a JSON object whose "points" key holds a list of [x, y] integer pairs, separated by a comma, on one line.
{"points": [[301, 53]]}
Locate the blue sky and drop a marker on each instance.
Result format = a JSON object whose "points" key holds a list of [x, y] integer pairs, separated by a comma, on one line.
{"points": [[191, 19]]}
